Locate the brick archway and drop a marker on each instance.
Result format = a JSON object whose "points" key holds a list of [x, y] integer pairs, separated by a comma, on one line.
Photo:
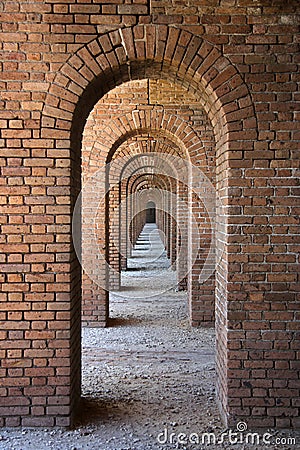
{"points": [[138, 171], [151, 129], [132, 53], [105, 62], [116, 57], [157, 122], [135, 52]]}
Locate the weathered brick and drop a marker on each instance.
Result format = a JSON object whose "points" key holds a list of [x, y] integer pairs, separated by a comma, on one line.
{"points": [[243, 127]]}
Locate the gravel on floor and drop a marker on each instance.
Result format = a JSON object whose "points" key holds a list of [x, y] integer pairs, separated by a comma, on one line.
{"points": [[148, 380]]}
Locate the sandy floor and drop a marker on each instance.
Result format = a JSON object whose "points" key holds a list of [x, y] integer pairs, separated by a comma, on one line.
{"points": [[148, 377]]}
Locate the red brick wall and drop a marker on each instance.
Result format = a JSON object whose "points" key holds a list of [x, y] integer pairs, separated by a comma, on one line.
{"points": [[242, 62]]}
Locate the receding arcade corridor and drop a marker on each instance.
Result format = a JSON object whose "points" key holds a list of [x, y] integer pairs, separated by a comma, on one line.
{"points": [[148, 370], [149, 271], [182, 115]]}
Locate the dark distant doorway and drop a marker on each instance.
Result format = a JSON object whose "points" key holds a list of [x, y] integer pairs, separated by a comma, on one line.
{"points": [[150, 214]]}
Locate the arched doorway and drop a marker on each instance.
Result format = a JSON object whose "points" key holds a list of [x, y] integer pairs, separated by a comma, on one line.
{"points": [[151, 212], [194, 72]]}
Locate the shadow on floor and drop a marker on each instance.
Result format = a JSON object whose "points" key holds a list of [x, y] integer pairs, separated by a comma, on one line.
{"points": [[123, 321]]}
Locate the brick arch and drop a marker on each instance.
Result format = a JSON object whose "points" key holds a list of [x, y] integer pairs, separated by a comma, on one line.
{"points": [[119, 176], [148, 172], [157, 51], [167, 159], [134, 184], [126, 146], [141, 184], [130, 226], [152, 143], [150, 169], [142, 181], [165, 207], [135, 156], [157, 123], [145, 51], [138, 154]]}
